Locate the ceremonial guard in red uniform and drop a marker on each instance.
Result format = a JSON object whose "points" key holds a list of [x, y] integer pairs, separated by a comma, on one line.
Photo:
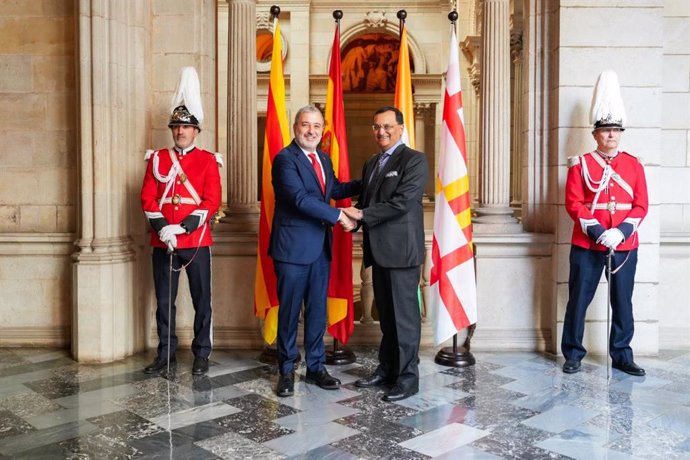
{"points": [[606, 196], [180, 195]]}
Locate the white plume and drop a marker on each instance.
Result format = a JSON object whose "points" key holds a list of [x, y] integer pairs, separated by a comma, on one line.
{"points": [[188, 93], [607, 104]]}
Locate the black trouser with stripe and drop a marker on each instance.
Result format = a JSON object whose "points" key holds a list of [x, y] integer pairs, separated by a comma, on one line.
{"points": [[585, 272], [199, 277]]}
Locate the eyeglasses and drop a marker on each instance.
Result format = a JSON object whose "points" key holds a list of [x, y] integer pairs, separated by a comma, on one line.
{"points": [[385, 127]]}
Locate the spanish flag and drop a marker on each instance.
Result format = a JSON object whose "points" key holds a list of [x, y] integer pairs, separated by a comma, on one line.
{"points": [[277, 136], [334, 142], [403, 90]]}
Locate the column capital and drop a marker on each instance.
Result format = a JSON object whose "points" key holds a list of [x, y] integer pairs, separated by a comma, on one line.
{"points": [[421, 109], [516, 45], [472, 49]]}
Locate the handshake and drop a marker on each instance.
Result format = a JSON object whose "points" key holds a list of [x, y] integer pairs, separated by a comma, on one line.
{"points": [[349, 217], [611, 238]]}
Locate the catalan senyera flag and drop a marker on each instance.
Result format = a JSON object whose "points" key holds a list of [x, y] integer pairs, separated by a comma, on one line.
{"points": [[403, 90], [334, 142], [453, 299], [277, 136]]}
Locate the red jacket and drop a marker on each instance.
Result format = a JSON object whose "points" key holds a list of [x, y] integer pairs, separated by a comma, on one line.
{"points": [[199, 172], [623, 204]]}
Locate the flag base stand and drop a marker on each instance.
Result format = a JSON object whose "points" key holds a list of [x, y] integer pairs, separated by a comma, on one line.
{"points": [[269, 355], [339, 356], [457, 356]]}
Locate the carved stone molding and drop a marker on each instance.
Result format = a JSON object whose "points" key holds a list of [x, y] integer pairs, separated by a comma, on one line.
{"points": [[421, 109], [472, 48], [263, 21], [516, 45], [375, 19]]}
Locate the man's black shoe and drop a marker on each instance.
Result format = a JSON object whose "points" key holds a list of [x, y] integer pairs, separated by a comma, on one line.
{"points": [[373, 381], [160, 363], [286, 385], [629, 368], [571, 366], [200, 366], [398, 393], [323, 379]]}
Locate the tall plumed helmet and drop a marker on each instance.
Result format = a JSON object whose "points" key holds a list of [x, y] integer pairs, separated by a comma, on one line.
{"points": [[185, 108], [607, 109]]}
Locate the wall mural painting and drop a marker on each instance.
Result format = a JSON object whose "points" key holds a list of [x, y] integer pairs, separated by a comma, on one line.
{"points": [[264, 46], [369, 63]]}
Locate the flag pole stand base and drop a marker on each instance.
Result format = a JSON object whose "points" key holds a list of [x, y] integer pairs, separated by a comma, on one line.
{"points": [[269, 355], [340, 355], [457, 356]]}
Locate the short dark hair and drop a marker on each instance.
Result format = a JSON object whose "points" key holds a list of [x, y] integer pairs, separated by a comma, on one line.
{"points": [[389, 108]]}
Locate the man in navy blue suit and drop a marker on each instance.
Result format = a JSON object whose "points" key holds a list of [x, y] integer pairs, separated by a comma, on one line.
{"points": [[301, 236]]}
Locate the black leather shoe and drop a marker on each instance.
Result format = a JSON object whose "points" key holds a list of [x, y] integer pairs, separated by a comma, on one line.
{"points": [[200, 366], [323, 379], [571, 366], [374, 381], [398, 393], [286, 385], [160, 363], [629, 368]]}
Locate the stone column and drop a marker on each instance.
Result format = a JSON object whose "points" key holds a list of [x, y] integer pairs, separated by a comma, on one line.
{"points": [[243, 209], [517, 117], [471, 48], [300, 63], [107, 319], [366, 294], [494, 213], [420, 111]]}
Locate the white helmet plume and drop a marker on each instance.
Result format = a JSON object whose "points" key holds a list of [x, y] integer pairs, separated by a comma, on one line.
{"points": [[188, 93], [607, 109]]}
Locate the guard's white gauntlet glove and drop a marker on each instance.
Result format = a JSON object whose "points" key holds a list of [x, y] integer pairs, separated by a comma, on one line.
{"points": [[611, 238], [168, 233]]}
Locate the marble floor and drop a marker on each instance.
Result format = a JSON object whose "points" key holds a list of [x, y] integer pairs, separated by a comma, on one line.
{"points": [[508, 405]]}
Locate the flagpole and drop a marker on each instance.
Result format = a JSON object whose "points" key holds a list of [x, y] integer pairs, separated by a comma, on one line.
{"points": [[457, 356]]}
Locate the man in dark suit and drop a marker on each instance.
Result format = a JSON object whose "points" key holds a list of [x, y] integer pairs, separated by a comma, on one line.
{"points": [[390, 211], [301, 236]]}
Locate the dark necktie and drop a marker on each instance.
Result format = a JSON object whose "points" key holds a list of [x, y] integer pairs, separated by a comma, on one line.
{"points": [[379, 166], [317, 170]]}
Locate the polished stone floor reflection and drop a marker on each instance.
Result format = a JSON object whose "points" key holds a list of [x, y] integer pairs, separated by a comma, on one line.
{"points": [[509, 405]]}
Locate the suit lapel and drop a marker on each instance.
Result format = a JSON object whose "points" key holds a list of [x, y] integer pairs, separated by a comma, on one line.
{"points": [[304, 162], [390, 165], [368, 171]]}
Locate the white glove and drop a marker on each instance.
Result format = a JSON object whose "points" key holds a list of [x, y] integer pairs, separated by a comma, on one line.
{"points": [[611, 238], [171, 242], [169, 231]]}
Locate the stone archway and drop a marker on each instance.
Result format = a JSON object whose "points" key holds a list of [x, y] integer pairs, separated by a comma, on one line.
{"points": [[369, 25]]}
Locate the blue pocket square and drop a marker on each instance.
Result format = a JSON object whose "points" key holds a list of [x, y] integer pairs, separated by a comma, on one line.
{"points": [[392, 174]]}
